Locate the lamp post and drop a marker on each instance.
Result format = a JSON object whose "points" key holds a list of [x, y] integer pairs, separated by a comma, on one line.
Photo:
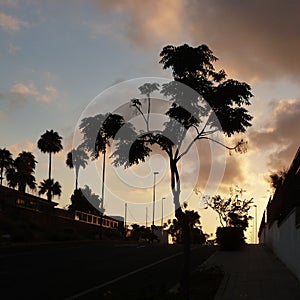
{"points": [[154, 175], [255, 229]]}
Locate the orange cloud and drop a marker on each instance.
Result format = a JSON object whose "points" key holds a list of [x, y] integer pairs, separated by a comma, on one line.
{"points": [[148, 22], [11, 23], [30, 89]]}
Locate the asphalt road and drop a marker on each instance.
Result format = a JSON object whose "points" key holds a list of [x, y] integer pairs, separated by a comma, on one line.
{"points": [[87, 270]]}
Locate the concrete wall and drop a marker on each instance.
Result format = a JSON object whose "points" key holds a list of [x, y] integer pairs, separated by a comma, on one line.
{"points": [[284, 240]]}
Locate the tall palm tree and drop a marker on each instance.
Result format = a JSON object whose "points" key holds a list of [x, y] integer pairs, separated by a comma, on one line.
{"points": [[97, 132], [6, 162], [50, 187], [21, 174], [50, 142], [77, 158]]}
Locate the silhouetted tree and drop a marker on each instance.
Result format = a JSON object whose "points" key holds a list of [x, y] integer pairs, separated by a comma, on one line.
{"points": [[218, 105], [21, 174], [51, 188], [276, 178], [232, 211], [193, 219], [77, 158], [6, 162], [86, 201], [97, 132], [50, 142]]}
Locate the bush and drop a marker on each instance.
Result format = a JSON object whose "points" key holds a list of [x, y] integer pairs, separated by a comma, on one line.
{"points": [[230, 238]]}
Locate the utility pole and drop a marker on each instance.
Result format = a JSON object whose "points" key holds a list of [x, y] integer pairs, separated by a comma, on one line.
{"points": [[154, 175], [162, 212], [146, 216], [125, 215], [256, 233]]}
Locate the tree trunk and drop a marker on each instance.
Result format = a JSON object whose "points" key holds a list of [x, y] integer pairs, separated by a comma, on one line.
{"points": [[102, 196], [181, 217], [185, 274], [49, 165], [1, 178], [49, 195], [76, 177]]}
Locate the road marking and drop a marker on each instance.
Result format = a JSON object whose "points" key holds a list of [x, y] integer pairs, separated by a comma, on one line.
{"points": [[76, 296]]}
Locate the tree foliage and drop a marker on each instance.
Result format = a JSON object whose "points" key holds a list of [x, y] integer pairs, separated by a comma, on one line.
{"points": [[85, 200], [50, 187], [50, 142], [193, 217], [21, 173], [276, 178], [202, 100], [76, 159], [232, 211], [6, 162]]}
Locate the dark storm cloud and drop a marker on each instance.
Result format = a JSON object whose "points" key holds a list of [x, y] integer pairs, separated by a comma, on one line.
{"points": [[256, 39], [280, 135]]}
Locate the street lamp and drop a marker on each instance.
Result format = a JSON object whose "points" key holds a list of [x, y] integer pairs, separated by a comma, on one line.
{"points": [[255, 231], [154, 175]]}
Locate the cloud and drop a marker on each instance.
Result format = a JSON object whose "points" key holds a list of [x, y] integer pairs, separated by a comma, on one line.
{"points": [[47, 95], [255, 40], [27, 146], [22, 94], [144, 23], [10, 23], [10, 3], [280, 135]]}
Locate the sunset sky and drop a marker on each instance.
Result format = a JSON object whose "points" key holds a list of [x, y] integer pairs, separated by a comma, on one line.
{"points": [[57, 56]]}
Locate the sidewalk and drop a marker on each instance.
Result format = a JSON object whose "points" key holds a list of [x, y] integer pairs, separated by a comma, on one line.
{"points": [[254, 273]]}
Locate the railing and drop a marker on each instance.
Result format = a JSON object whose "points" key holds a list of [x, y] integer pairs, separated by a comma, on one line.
{"points": [[95, 220]]}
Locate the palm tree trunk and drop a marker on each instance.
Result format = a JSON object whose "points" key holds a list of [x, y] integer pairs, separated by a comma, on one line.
{"points": [[76, 177], [49, 165], [49, 195], [103, 180], [102, 194], [1, 178]]}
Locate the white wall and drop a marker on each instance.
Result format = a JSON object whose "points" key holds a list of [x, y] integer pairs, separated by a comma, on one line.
{"points": [[284, 240]]}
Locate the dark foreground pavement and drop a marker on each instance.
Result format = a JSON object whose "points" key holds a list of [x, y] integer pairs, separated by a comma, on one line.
{"points": [[254, 273], [84, 270]]}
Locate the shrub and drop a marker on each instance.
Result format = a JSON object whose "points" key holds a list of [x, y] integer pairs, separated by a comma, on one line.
{"points": [[230, 238]]}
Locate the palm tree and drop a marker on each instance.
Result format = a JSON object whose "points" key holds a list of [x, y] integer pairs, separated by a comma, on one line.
{"points": [[21, 174], [97, 132], [50, 187], [77, 158], [50, 142], [6, 162]]}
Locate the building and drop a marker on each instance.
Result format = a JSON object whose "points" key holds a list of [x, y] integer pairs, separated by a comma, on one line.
{"points": [[280, 226]]}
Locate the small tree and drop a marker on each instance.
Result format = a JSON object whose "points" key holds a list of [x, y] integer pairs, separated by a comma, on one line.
{"points": [[21, 174], [51, 188], [193, 218], [79, 201], [232, 211], [276, 178], [6, 162]]}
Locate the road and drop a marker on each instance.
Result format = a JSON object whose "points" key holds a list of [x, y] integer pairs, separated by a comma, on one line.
{"points": [[86, 270]]}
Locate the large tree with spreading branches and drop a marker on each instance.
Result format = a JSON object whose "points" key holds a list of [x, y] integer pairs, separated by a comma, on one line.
{"points": [[203, 101]]}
